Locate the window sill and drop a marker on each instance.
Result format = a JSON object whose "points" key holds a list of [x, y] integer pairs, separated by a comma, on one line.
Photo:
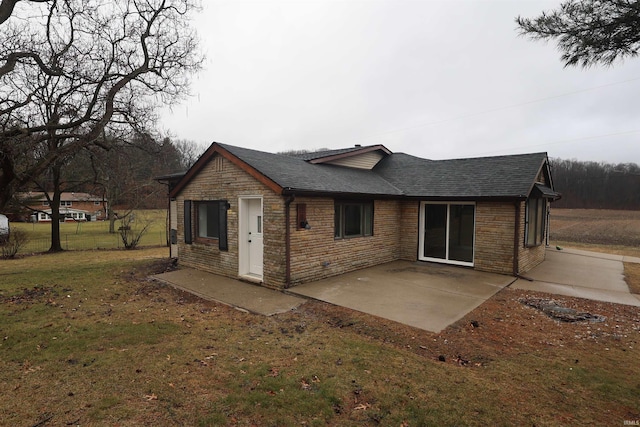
{"points": [[532, 246], [207, 241], [351, 237]]}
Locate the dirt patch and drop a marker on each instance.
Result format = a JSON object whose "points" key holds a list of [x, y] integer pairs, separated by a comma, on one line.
{"points": [[502, 326], [31, 295]]}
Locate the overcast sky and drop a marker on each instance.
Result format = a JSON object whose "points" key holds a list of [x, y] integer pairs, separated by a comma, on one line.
{"points": [[435, 79]]}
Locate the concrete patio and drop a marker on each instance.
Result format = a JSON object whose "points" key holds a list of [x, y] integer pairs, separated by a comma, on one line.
{"points": [[427, 296], [423, 295]]}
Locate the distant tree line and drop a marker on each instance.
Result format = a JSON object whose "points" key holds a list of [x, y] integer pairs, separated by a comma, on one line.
{"points": [[596, 185]]}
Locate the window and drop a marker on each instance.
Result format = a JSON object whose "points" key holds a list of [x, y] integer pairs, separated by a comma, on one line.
{"points": [[97, 203], [65, 203], [208, 220], [353, 219], [45, 203], [535, 212], [447, 232]]}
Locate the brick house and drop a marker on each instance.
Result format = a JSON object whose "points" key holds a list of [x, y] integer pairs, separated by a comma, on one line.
{"points": [[73, 206], [281, 220]]}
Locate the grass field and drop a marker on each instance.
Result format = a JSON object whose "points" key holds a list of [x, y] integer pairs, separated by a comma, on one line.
{"points": [[617, 230], [90, 341], [92, 235]]}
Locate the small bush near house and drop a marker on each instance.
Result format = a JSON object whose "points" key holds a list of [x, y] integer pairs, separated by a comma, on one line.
{"points": [[13, 243], [132, 228]]}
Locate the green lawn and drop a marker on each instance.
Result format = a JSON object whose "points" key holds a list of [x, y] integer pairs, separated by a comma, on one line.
{"points": [[93, 235]]}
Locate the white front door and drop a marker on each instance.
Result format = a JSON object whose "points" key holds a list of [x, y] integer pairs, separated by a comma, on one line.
{"points": [[251, 244], [255, 237]]}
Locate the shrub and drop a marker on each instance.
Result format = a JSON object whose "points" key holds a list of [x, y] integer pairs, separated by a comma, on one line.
{"points": [[132, 230], [16, 240]]}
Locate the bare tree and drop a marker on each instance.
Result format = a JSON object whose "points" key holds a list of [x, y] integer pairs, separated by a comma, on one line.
{"points": [[188, 152], [7, 7], [596, 185], [87, 68]]}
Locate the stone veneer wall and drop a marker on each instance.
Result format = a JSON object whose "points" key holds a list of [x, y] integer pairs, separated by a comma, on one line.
{"points": [[409, 222], [494, 237], [316, 254], [222, 180]]}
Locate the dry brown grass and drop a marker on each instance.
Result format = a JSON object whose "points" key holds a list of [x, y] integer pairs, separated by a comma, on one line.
{"points": [[596, 226], [89, 340], [632, 276]]}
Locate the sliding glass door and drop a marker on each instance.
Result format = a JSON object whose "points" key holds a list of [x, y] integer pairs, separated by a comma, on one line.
{"points": [[447, 232]]}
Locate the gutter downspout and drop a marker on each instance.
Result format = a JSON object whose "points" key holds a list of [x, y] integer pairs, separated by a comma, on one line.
{"points": [[287, 240], [516, 240]]}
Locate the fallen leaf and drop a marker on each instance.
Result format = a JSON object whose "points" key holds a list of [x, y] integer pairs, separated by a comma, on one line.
{"points": [[362, 407], [150, 397]]}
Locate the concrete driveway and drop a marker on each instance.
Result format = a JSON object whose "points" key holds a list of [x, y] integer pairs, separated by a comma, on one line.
{"points": [[425, 296], [582, 274]]}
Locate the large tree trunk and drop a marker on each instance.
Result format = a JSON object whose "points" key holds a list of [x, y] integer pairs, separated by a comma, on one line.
{"points": [[112, 221], [56, 246]]}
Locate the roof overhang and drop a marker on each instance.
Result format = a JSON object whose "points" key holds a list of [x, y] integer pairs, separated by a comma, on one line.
{"points": [[468, 198], [541, 190], [338, 194], [216, 149]]}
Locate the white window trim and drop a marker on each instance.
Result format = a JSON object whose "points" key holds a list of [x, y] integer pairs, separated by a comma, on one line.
{"points": [[421, 234]]}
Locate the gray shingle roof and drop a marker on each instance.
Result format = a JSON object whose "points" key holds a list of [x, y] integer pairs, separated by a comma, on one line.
{"points": [[293, 173], [501, 176], [400, 174]]}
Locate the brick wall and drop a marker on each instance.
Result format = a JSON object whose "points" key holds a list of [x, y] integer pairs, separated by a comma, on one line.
{"points": [[409, 222], [222, 180], [316, 254], [494, 237]]}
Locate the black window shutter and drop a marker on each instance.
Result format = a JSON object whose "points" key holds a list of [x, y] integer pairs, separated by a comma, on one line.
{"points": [[188, 238], [222, 226]]}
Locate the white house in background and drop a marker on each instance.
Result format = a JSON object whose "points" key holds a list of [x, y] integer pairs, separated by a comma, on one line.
{"points": [[4, 227], [73, 206]]}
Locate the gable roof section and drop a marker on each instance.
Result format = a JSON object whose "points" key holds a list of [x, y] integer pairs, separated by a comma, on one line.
{"points": [[396, 175], [295, 175], [285, 174], [475, 178]]}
